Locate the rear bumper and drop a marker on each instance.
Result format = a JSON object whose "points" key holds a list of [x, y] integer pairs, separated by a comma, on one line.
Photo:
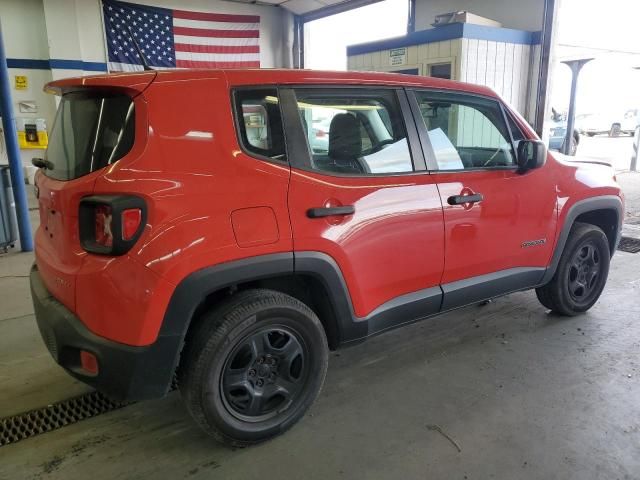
{"points": [[126, 373]]}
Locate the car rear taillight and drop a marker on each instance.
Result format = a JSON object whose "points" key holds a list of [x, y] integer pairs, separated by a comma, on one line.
{"points": [[102, 220], [111, 224]]}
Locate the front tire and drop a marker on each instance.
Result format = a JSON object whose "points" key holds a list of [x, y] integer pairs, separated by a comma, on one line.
{"points": [[581, 274], [253, 366]]}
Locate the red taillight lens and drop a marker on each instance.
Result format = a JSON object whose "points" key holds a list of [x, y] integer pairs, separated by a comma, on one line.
{"points": [[103, 220], [131, 219]]}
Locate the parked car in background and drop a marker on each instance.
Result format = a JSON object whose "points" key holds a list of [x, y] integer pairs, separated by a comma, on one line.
{"points": [[630, 122], [610, 124], [558, 133], [319, 135]]}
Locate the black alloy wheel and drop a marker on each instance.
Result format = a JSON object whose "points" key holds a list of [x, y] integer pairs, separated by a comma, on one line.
{"points": [[252, 366], [264, 374], [584, 271], [581, 273]]}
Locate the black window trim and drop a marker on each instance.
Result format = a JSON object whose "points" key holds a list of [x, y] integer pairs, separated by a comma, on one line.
{"points": [[429, 154], [300, 157], [511, 119], [238, 125]]}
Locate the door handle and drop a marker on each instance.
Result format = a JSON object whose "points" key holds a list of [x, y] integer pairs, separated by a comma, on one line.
{"points": [[330, 211], [462, 199]]}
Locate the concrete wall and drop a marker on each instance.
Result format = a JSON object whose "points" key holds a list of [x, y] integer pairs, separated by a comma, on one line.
{"points": [[518, 14], [25, 36]]}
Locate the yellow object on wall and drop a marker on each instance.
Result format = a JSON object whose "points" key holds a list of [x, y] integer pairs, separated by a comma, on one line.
{"points": [[32, 133], [21, 82]]}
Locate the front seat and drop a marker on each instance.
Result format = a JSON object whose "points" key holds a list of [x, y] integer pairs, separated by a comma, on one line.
{"points": [[345, 144]]}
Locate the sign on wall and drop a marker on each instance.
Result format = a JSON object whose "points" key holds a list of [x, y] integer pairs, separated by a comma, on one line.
{"points": [[178, 38], [21, 82], [397, 56]]}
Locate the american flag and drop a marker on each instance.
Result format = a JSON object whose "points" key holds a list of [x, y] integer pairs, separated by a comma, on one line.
{"points": [[178, 38]]}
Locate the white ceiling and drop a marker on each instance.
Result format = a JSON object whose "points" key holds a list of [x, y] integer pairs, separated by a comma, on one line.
{"points": [[301, 7]]}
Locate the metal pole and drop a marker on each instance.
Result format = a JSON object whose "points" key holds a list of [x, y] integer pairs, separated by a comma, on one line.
{"points": [[297, 51], [13, 152], [411, 20], [636, 150], [636, 141], [575, 66], [546, 44]]}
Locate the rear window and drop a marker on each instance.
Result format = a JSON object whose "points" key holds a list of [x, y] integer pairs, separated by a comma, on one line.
{"points": [[91, 131]]}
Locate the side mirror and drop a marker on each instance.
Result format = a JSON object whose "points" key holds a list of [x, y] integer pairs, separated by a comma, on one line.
{"points": [[531, 154]]}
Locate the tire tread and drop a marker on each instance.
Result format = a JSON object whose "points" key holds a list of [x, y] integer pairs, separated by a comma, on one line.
{"points": [[211, 332]]}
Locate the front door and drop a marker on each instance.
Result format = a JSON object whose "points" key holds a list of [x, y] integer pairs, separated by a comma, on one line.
{"points": [[499, 223], [359, 193]]}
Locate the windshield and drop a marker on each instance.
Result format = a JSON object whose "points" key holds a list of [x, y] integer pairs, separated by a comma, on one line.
{"points": [[91, 131]]}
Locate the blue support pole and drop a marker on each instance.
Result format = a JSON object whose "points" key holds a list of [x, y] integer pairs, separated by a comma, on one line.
{"points": [[13, 152]]}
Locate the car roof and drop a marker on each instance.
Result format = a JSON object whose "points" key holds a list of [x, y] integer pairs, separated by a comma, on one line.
{"points": [[266, 76]]}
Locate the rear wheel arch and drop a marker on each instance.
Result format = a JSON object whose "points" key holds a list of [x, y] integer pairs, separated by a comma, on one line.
{"points": [[318, 283]]}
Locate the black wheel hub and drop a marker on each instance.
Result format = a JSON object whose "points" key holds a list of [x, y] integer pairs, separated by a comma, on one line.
{"points": [[264, 374], [584, 272]]}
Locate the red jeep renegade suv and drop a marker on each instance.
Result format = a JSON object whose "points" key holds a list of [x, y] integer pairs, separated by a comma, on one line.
{"points": [[230, 227]]}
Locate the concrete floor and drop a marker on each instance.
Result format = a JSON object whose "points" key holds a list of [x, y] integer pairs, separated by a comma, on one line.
{"points": [[524, 394]]}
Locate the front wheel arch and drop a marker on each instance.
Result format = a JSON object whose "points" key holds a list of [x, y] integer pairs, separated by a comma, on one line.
{"points": [[603, 211]]}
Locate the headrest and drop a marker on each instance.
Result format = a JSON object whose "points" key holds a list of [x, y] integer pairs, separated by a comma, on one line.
{"points": [[345, 141]]}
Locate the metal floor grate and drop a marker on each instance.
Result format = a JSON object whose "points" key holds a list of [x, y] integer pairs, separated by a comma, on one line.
{"points": [[42, 420], [629, 245]]}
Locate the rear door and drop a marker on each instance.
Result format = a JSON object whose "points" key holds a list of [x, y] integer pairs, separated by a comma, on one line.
{"points": [[499, 223], [362, 195]]}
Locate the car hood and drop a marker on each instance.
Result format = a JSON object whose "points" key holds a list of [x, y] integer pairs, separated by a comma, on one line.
{"points": [[580, 160]]}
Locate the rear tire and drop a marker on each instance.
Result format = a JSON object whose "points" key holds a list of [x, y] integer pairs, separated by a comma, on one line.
{"points": [[581, 274], [252, 366]]}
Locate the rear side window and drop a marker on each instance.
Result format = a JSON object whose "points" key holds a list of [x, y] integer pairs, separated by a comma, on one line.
{"points": [[260, 123], [91, 131], [355, 131]]}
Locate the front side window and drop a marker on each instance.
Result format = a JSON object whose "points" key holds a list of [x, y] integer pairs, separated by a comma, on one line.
{"points": [[354, 131], [466, 132], [260, 123], [91, 130]]}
